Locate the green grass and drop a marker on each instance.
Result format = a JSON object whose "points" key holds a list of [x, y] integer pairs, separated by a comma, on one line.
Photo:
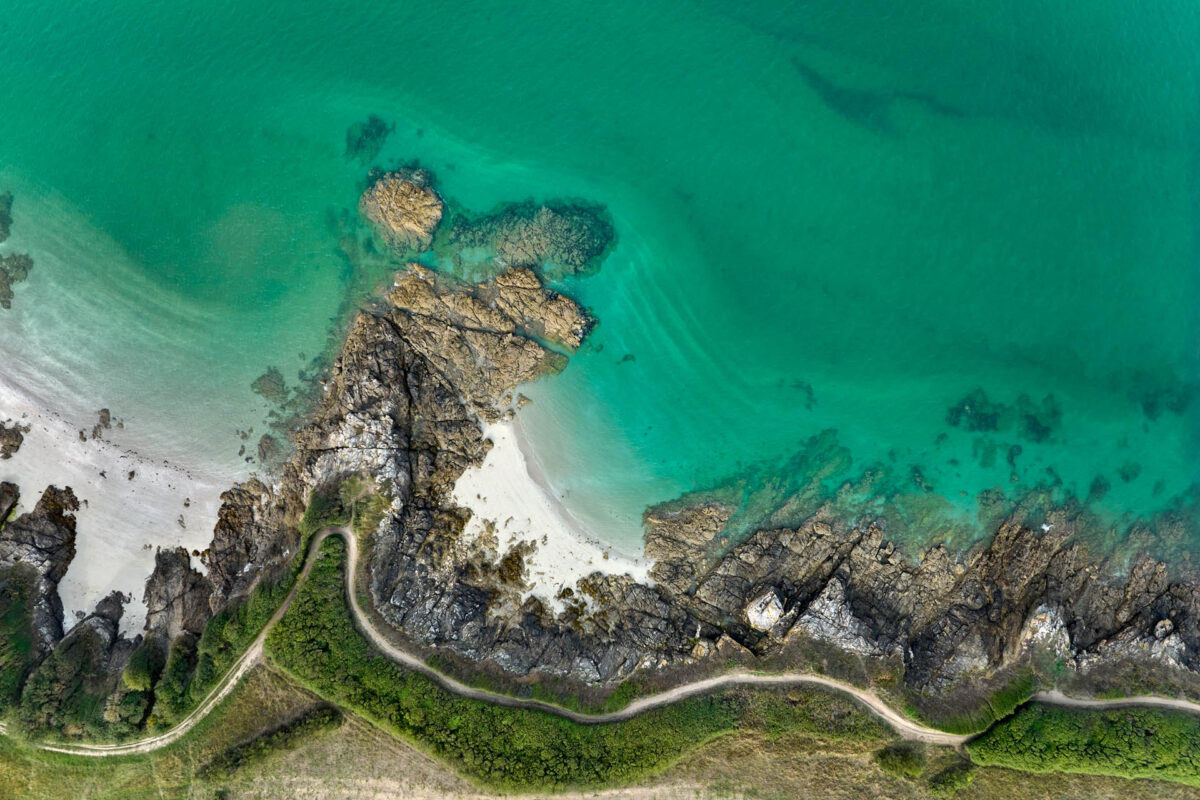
{"points": [[317, 643], [1128, 743]]}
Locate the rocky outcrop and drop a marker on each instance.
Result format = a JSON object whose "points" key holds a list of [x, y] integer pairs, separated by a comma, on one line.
{"points": [[177, 597], [404, 208], [12, 435], [251, 539], [43, 541], [9, 495]]}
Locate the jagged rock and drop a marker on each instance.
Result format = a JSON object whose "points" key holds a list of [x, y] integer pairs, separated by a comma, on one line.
{"points": [[829, 618], [404, 208], [250, 539], [9, 495], [764, 612], [43, 540], [177, 596], [12, 435]]}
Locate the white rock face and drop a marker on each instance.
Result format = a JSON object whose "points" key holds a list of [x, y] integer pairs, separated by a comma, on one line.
{"points": [[763, 613], [828, 618]]}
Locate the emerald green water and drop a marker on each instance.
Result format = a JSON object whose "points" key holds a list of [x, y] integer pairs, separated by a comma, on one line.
{"points": [[832, 216]]}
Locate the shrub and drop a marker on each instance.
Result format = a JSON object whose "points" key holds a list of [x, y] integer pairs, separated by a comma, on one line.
{"points": [[143, 668], [1130, 742], [951, 780], [902, 759]]}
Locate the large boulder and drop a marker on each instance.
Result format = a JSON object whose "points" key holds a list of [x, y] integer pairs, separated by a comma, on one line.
{"points": [[404, 208]]}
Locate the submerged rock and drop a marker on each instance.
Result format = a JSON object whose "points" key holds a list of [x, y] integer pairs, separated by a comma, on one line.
{"points": [[6, 204], [556, 239], [14, 268], [404, 209], [364, 140]]}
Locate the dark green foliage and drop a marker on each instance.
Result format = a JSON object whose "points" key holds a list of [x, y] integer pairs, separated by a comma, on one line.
{"points": [[171, 692], [284, 737], [317, 643], [325, 508], [65, 695], [951, 780], [143, 668], [1130, 743], [16, 637], [902, 759]]}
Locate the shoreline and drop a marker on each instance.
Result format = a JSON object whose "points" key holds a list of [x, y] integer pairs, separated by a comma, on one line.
{"points": [[506, 492], [122, 520]]}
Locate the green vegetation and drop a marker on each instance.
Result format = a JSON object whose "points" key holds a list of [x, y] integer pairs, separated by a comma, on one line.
{"points": [[143, 669], [66, 693], [952, 780], [1131, 743], [285, 737], [16, 636], [993, 708], [318, 644], [902, 759]]}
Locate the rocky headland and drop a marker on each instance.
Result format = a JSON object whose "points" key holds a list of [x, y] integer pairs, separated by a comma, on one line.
{"points": [[424, 369]]}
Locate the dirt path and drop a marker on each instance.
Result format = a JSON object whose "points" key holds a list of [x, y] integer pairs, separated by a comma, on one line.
{"points": [[1056, 698], [903, 726]]}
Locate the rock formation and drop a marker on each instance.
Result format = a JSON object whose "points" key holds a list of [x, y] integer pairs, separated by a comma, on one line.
{"points": [[177, 597], [43, 541], [12, 435], [404, 208], [556, 239]]}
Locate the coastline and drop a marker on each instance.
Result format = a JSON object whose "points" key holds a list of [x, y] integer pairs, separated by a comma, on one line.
{"points": [[506, 492], [122, 521]]}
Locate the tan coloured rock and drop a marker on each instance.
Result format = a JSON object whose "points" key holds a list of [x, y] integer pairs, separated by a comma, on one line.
{"points": [[404, 209]]}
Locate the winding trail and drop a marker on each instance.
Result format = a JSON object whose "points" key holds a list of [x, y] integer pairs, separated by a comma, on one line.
{"points": [[904, 727]]}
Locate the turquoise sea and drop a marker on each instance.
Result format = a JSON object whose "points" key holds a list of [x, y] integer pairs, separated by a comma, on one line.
{"points": [[949, 246]]}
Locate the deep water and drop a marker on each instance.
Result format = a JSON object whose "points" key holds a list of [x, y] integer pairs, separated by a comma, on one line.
{"points": [[957, 245]]}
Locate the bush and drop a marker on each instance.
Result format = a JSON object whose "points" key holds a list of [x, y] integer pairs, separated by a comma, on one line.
{"points": [[65, 695], [1129, 743], [16, 638], [143, 668], [951, 780], [902, 759], [171, 691]]}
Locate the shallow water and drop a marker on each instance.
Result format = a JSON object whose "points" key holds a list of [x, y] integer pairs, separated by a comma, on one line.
{"points": [[832, 216]]}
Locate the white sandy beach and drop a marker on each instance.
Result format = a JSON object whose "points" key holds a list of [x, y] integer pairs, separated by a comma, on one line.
{"points": [[121, 520], [505, 492]]}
